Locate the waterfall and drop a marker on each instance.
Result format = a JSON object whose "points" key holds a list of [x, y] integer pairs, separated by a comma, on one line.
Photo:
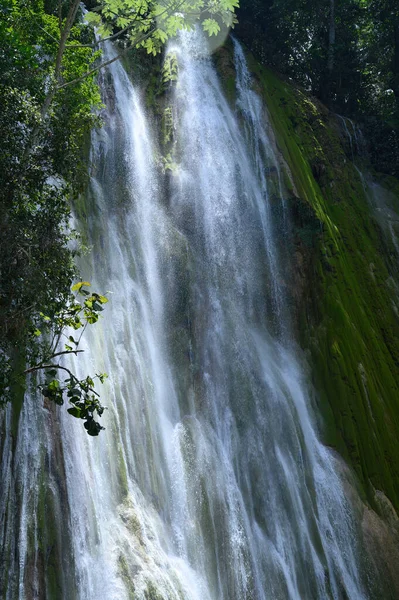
{"points": [[209, 482]]}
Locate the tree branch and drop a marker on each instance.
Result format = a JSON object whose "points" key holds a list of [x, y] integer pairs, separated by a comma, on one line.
{"points": [[128, 27], [58, 61], [62, 368], [64, 36], [49, 366], [67, 352], [112, 37], [106, 63], [59, 14], [47, 33], [82, 332]]}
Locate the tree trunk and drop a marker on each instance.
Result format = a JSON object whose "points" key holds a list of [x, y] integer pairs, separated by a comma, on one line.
{"points": [[60, 54], [331, 40], [395, 79], [35, 135], [327, 75]]}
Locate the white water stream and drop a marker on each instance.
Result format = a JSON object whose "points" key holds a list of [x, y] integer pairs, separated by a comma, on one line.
{"points": [[209, 482]]}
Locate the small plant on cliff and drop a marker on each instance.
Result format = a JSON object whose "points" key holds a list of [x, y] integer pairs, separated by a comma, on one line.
{"points": [[82, 309]]}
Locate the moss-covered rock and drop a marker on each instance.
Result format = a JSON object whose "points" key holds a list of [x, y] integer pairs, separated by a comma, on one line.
{"points": [[345, 311]]}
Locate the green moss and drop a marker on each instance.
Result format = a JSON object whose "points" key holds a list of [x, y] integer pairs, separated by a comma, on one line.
{"points": [[170, 71], [159, 93], [224, 64], [126, 576], [151, 593], [349, 324], [80, 209], [122, 474], [167, 164]]}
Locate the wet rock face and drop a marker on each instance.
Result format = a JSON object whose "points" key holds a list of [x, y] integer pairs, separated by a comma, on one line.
{"points": [[36, 545], [108, 92], [378, 537], [338, 318], [382, 544], [344, 311]]}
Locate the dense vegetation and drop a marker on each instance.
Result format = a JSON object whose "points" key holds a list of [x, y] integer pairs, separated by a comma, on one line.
{"points": [[50, 101], [345, 52], [41, 167]]}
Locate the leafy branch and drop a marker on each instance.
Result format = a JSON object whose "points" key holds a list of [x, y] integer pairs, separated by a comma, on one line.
{"points": [[102, 65], [82, 310]]}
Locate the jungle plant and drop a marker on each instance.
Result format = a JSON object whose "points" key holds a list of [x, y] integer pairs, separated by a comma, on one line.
{"points": [[82, 309]]}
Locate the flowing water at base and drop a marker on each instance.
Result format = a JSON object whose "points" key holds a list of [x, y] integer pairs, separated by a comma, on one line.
{"points": [[209, 482]]}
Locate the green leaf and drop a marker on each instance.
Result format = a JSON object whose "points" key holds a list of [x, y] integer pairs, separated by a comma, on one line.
{"points": [[53, 385], [93, 19], [102, 377], [91, 319], [58, 399], [211, 26], [162, 36], [75, 412], [92, 427], [104, 31], [74, 400], [101, 299], [76, 287]]}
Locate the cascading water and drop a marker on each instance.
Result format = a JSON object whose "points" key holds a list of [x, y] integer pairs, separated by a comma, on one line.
{"points": [[382, 201], [209, 482]]}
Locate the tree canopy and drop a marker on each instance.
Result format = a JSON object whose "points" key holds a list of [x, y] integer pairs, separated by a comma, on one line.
{"points": [[344, 51]]}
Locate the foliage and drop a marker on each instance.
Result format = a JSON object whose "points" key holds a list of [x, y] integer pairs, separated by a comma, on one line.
{"points": [[50, 101], [360, 37], [41, 166], [81, 310], [345, 52], [148, 24], [380, 54]]}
